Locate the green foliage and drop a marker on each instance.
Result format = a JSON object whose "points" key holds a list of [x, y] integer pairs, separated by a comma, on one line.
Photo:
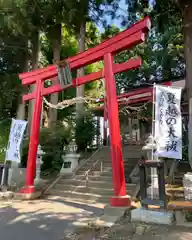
{"points": [[4, 136], [163, 51], [52, 143], [188, 216], [85, 132]]}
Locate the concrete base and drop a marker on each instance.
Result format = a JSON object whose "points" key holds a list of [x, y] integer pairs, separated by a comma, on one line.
{"points": [[115, 211], [181, 220], [110, 217], [123, 201], [148, 216], [27, 196], [27, 190]]}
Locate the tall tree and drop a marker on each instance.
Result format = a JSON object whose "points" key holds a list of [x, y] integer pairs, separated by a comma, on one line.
{"points": [[167, 14], [84, 11], [176, 12]]}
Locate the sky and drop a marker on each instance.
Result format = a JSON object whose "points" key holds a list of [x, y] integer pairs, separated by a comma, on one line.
{"points": [[122, 11], [116, 22]]}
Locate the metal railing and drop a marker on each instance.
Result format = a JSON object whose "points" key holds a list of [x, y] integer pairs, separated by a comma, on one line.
{"points": [[86, 175], [91, 168]]}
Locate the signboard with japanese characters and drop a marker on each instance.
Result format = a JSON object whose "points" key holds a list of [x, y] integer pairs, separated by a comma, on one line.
{"points": [[15, 139], [168, 122]]}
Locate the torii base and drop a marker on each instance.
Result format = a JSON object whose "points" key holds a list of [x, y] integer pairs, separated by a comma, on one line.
{"points": [[28, 193], [27, 190], [123, 201]]}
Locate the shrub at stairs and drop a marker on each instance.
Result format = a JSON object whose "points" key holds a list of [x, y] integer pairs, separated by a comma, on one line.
{"points": [[85, 132], [52, 142]]}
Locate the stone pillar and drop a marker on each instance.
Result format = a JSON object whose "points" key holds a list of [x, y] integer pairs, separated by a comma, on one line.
{"points": [[153, 190], [40, 154]]}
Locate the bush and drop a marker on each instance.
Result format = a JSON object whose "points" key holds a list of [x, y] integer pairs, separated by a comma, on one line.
{"points": [[52, 142], [4, 137], [85, 132]]}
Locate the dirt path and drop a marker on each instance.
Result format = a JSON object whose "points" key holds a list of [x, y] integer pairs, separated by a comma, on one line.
{"points": [[125, 230], [50, 219], [55, 219]]}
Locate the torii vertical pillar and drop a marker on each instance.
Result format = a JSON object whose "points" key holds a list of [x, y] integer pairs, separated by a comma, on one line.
{"points": [[105, 142], [34, 141], [120, 198]]}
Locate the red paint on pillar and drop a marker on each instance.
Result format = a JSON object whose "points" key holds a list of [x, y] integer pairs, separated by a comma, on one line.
{"points": [[120, 198], [105, 123], [34, 140]]}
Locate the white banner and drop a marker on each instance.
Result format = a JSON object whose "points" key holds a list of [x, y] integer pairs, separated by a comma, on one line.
{"points": [[15, 138], [168, 122]]}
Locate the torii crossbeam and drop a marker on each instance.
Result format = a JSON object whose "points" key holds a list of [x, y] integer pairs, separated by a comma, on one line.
{"points": [[104, 51]]}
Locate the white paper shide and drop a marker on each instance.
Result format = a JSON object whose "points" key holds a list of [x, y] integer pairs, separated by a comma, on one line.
{"points": [[168, 122], [15, 139]]}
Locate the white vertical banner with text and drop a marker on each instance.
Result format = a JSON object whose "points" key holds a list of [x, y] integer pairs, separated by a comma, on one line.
{"points": [[168, 122], [15, 138]]}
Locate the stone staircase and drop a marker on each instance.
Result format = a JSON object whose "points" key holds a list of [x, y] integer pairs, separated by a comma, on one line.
{"points": [[97, 185], [175, 191], [132, 154]]}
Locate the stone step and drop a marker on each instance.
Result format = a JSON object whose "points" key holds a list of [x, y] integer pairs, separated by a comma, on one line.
{"points": [[132, 155], [85, 193], [103, 201], [63, 199], [132, 146], [95, 191], [84, 189], [101, 183], [108, 163], [97, 168], [83, 197], [131, 160], [103, 156], [93, 177], [104, 163], [175, 193], [95, 173]]}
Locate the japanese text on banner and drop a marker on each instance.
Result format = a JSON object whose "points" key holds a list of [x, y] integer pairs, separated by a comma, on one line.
{"points": [[15, 139], [168, 122]]}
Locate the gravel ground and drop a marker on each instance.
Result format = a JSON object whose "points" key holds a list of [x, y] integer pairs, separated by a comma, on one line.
{"points": [[124, 229]]}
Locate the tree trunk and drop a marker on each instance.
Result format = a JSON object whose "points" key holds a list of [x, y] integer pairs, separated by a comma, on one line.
{"points": [[34, 64], [21, 105], [56, 41], [80, 72], [187, 13]]}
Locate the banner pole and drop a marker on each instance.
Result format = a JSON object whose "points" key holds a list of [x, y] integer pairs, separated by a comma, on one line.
{"points": [[153, 120], [153, 171]]}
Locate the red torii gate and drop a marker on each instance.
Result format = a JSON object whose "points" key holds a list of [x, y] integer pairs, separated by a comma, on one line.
{"points": [[105, 51], [135, 96]]}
